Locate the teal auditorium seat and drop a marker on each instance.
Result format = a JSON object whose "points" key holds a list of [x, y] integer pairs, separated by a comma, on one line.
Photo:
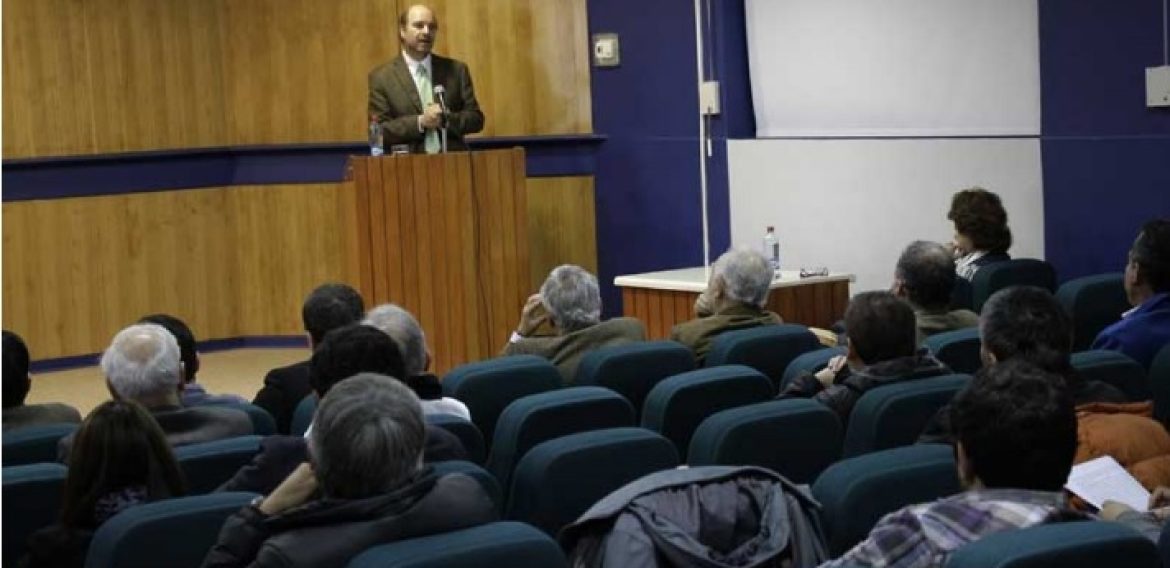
{"points": [[1164, 544], [797, 438], [811, 362], [1093, 303], [1084, 544], [32, 500], [895, 415], [855, 493], [495, 544], [488, 387], [1016, 272], [1115, 368], [1159, 380], [768, 349], [678, 405], [207, 465], [559, 479], [469, 436], [263, 424], [489, 483], [176, 533], [34, 444], [633, 369], [959, 349], [303, 415], [541, 417]]}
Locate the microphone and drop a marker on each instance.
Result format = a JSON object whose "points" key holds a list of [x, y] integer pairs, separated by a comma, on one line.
{"points": [[441, 95]]}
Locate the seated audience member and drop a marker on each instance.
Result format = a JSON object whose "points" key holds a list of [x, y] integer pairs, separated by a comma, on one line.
{"points": [[571, 301], [327, 308], [883, 349], [193, 393], [1150, 522], [142, 364], [734, 299], [982, 237], [1017, 432], [120, 459], [343, 353], [366, 466], [412, 344], [17, 383], [925, 277], [1145, 329]]}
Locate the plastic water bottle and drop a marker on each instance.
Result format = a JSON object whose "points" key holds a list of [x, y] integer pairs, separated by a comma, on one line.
{"points": [[772, 249], [375, 136]]}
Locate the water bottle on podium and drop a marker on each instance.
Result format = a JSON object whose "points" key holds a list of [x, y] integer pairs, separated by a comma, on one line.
{"points": [[772, 250], [375, 136]]}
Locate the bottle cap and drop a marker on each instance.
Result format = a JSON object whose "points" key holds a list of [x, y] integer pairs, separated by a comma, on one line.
{"points": [[771, 228]]}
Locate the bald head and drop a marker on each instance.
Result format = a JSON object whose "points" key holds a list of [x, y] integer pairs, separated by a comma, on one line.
{"points": [[417, 29], [142, 363]]}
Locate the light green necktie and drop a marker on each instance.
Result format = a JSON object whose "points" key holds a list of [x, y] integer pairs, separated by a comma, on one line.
{"points": [[427, 96]]}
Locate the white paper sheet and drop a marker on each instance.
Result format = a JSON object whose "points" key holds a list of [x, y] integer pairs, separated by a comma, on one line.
{"points": [[1103, 479]]}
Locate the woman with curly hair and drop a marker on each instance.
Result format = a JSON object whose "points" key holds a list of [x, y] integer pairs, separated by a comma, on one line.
{"points": [[982, 236]]}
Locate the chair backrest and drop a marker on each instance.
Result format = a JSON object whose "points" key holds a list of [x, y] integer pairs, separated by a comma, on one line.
{"points": [[496, 544], [1159, 380], [488, 387], [768, 348], [1164, 544], [1115, 368], [34, 444], [207, 465], [959, 349], [469, 436], [895, 415], [855, 493], [1084, 544], [633, 369], [303, 415], [263, 424], [32, 500], [678, 405], [489, 483], [174, 533], [1093, 303], [797, 438], [541, 417], [1016, 272], [559, 479], [810, 362]]}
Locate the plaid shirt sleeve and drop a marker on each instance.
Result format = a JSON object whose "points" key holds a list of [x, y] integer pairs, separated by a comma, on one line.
{"points": [[897, 540]]}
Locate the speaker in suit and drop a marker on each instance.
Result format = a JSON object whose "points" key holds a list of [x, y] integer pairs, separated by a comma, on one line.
{"points": [[395, 100]]}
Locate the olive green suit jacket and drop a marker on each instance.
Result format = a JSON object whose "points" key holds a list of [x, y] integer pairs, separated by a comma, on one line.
{"points": [[394, 99]]}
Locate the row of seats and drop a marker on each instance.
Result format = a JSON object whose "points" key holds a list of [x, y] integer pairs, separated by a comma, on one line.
{"points": [[854, 494]]}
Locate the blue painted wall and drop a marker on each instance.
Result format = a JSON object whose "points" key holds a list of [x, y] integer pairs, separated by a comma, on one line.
{"points": [[1106, 155]]}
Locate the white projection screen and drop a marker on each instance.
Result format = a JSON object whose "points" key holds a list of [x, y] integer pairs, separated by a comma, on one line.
{"points": [[894, 67]]}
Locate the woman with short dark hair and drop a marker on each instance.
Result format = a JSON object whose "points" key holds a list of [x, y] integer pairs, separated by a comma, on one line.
{"points": [[982, 237], [120, 459]]}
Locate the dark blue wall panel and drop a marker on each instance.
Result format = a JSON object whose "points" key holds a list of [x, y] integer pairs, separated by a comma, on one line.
{"points": [[1106, 155]]}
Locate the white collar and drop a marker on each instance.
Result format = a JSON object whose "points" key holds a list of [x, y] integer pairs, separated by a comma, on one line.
{"points": [[412, 64]]}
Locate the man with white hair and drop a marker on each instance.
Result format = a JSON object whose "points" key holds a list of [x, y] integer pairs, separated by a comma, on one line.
{"points": [[571, 302], [401, 326], [143, 364], [736, 294]]}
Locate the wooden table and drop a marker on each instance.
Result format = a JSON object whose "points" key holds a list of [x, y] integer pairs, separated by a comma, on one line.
{"points": [[663, 299]]}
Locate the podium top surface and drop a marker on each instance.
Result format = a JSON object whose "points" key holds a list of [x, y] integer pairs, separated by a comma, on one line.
{"points": [[694, 279]]}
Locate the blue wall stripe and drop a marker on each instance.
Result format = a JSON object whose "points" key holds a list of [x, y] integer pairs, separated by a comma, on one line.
{"points": [[208, 346], [133, 172]]}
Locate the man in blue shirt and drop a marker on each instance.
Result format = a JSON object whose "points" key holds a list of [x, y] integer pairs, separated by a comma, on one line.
{"points": [[1145, 329]]}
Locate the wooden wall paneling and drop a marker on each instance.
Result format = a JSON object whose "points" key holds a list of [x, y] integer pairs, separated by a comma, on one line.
{"points": [[425, 247], [48, 102], [378, 214], [355, 227], [408, 243], [475, 285], [156, 73], [441, 260], [391, 234], [562, 225], [529, 60]]}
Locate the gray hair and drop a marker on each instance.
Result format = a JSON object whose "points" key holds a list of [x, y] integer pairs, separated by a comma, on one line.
{"points": [[405, 331], [746, 276], [927, 272], [143, 360], [572, 298], [367, 438]]}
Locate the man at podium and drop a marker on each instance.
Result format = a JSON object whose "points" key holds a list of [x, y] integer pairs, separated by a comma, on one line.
{"points": [[417, 94]]}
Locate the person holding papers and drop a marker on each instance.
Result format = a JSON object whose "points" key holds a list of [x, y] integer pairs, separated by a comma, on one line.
{"points": [[1016, 433]]}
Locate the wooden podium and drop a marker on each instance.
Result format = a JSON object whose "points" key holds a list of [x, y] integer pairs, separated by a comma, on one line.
{"points": [[445, 237]]}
